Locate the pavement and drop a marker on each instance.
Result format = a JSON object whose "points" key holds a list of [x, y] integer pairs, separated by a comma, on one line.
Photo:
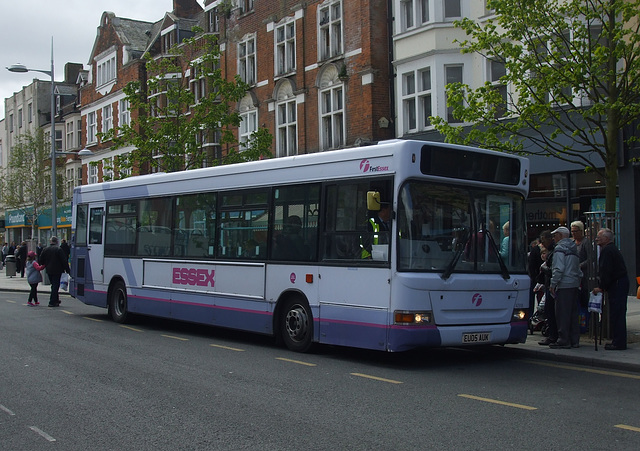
{"points": [[587, 354]]}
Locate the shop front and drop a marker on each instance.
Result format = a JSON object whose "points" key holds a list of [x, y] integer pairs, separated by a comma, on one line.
{"points": [[63, 224]]}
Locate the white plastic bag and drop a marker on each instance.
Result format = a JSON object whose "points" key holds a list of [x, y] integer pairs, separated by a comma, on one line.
{"points": [[595, 302], [64, 281]]}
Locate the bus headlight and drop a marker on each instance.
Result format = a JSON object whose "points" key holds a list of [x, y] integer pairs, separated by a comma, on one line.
{"points": [[417, 318], [519, 315]]}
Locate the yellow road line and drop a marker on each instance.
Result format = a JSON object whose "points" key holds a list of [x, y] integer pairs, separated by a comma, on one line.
{"points": [[93, 319], [628, 428], [131, 328], [586, 370], [67, 312], [375, 378], [296, 361], [12, 302], [227, 348], [175, 338], [495, 401]]}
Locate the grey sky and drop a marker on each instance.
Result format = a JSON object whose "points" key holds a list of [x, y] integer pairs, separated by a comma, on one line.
{"points": [[26, 28]]}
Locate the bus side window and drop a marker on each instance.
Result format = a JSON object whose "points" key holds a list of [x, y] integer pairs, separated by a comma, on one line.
{"points": [[81, 225], [295, 223]]}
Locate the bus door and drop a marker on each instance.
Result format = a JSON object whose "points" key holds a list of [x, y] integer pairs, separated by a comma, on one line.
{"points": [[94, 262]]}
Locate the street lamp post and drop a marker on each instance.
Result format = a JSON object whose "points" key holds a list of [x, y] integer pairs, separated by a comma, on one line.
{"points": [[54, 192]]}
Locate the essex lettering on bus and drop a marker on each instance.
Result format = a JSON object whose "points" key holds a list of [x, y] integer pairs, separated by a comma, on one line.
{"points": [[192, 276]]}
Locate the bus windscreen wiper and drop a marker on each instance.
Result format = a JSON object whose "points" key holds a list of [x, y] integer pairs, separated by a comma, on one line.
{"points": [[454, 261]]}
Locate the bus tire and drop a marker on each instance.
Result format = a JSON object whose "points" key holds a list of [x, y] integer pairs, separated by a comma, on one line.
{"points": [[118, 302], [296, 325]]}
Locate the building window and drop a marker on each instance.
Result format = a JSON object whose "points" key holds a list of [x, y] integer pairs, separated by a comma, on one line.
{"points": [[70, 135], [247, 60], [496, 72], [106, 70], [330, 30], [286, 121], [168, 41], [424, 98], [107, 119], [123, 168], [79, 133], [107, 169], [452, 9], [197, 83], [11, 123], [93, 173], [332, 117], [245, 5], [406, 13], [285, 48], [59, 139], [30, 113], [20, 118], [453, 74], [213, 21], [409, 102], [91, 128], [249, 121], [123, 110], [424, 10]]}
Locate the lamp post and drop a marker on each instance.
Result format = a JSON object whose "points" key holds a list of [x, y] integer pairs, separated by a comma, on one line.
{"points": [[54, 192]]}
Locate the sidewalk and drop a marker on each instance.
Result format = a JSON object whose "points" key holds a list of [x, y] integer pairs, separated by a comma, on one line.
{"points": [[628, 360]]}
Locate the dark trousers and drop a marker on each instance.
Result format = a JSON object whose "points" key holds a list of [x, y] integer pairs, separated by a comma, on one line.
{"points": [[567, 316], [617, 296], [33, 294], [550, 315], [54, 299]]}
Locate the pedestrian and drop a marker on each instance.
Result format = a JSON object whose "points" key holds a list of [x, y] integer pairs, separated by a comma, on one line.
{"points": [[504, 245], [544, 277], [33, 277], [584, 253], [22, 257], [5, 250], [39, 250], [55, 261], [614, 281], [65, 247], [565, 282]]}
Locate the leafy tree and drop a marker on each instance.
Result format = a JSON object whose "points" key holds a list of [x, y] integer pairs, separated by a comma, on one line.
{"points": [[171, 122], [26, 181], [570, 82]]}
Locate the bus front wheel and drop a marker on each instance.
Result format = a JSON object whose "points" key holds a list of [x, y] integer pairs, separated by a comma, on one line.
{"points": [[118, 303], [296, 325]]}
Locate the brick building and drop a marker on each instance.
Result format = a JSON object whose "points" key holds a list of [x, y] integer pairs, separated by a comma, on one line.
{"points": [[318, 71]]}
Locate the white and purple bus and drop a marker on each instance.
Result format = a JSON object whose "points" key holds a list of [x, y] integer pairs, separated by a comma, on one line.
{"points": [[389, 247]]}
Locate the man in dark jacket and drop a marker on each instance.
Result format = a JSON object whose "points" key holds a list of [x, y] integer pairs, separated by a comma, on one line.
{"points": [[55, 261], [615, 281]]}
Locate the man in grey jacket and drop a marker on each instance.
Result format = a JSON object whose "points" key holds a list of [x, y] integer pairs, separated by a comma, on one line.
{"points": [[565, 281]]}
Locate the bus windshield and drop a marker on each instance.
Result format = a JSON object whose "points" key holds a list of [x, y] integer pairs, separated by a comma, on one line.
{"points": [[446, 228]]}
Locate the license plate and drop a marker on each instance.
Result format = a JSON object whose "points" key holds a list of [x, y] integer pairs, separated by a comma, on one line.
{"points": [[476, 337]]}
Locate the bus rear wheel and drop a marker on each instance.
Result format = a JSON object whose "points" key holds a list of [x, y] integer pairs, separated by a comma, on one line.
{"points": [[296, 325], [118, 303]]}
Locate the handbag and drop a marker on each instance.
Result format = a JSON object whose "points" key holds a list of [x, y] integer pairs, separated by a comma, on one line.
{"points": [[64, 281], [595, 302]]}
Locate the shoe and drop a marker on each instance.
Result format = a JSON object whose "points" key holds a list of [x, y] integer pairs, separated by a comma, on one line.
{"points": [[36, 303], [52, 305], [557, 345], [612, 347], [30, 303], [546, 342]]}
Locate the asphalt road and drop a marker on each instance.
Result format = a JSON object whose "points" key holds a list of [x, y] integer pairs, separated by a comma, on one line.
{"points": [[71, 379]]}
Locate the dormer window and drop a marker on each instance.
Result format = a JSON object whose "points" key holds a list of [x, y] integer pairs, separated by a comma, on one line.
{"points": [[106, 70]]}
